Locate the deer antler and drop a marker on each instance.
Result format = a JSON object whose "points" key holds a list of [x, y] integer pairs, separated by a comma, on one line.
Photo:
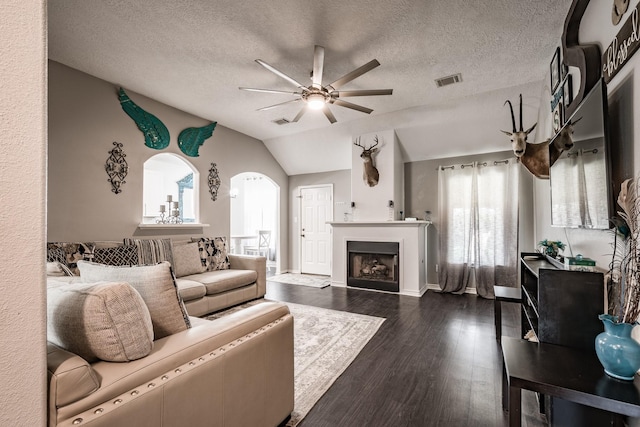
{"points": [[375, 139], [358, 143]]}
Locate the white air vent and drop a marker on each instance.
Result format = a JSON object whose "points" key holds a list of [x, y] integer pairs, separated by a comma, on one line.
{"points": [[281, 121], [449, 80]]}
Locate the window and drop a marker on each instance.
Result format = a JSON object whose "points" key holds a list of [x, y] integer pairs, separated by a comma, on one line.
{"points": [[166, 175]]}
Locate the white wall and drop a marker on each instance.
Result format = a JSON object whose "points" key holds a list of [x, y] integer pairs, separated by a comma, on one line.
{"points": [[372, 202], [23, 117]]}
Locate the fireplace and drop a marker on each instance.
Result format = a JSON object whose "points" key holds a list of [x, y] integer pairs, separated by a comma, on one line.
{"points": [[373, 265]]}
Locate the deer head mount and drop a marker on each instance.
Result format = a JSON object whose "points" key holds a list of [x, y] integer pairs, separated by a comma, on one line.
{"points": [[370, 174], [518, 137], [538, 158]]}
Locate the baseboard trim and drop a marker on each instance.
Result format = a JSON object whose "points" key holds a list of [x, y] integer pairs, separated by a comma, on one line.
{"points": [[436, 288]]}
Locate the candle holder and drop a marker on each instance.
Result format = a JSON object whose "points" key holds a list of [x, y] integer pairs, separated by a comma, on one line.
{"points": [[170, 215]]}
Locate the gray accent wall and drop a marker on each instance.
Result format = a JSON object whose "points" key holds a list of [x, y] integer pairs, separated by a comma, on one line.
{"points": [[85, 118]]}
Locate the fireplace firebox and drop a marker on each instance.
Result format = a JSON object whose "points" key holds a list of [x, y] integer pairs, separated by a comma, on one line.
{"points": [[373, 265]]}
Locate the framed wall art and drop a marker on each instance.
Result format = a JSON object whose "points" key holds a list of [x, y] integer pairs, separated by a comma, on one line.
{"points": [[557, 116], [567, 90], [555, 70]]}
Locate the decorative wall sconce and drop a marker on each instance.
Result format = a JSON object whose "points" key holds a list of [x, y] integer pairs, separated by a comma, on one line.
{"points": [[214, 182], [170, 215], [116, 167]]}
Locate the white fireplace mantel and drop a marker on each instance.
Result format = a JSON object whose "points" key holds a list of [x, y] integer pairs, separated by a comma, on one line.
{"points": [[411, 238]]}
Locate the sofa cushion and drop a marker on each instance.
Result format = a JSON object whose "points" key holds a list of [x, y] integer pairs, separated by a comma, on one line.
{"points": [[190, 289], [119, 255], [213, 253], [102, 320], [152, 251], [186, 259], [156, 285], [224, 280]]}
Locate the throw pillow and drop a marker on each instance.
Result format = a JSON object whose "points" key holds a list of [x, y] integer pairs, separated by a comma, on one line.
{"points": [[152, 251], [213, 253], [69, 253], [57, 269], [119, 255], [107, 321], [186, 259], [156, 285]]}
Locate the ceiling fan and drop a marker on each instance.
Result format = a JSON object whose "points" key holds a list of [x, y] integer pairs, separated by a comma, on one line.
{"points": [[316, 96]]}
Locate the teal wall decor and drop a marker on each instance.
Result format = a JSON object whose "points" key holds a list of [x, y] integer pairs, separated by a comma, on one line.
{"points": [[191, 139], [214, 182], [156, 134], [116, 167]]}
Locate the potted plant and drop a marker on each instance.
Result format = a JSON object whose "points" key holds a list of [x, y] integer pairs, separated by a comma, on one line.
{"points": [[551, 247], [616, 350]]}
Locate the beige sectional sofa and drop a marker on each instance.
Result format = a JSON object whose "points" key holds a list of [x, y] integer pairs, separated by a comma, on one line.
{"points": [[234, 371], [207, 281], [211, 291], [124, 349]]}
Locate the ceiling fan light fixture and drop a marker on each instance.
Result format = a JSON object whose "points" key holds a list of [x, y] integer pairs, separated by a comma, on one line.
{"points": [[316, 101]]}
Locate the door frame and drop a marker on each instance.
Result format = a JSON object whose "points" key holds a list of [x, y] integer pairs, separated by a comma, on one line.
{"points": [[299, 230]]}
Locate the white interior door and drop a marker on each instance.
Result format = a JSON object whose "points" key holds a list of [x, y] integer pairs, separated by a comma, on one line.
{"points": [[315, 234]]}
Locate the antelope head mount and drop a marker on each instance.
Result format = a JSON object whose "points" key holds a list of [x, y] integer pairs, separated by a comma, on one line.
{"points": [[370, 174], [518, 137]]}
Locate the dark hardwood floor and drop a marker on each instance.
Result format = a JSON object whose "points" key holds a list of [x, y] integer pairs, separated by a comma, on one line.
{"points": [[433, 362]]}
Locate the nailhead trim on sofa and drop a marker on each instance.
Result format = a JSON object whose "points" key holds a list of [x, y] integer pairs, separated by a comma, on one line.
{"points": [[128, 396]]}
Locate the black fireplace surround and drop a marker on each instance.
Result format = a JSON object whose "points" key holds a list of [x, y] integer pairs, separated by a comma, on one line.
{"points": [[373, 265]]}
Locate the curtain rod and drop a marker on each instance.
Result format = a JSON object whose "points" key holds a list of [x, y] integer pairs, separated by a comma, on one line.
{"points": [[576, 153], [462, 166]]}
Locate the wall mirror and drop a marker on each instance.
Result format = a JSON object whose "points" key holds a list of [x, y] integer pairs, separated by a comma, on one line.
{"points": [[580, 196], [167, 174]]}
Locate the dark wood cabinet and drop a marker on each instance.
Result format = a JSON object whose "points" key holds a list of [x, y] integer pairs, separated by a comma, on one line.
{"points": [[561, 307]]}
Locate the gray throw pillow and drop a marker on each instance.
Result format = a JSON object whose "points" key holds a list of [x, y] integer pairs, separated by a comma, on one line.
{"points": [[104, 320], [156, 285]]}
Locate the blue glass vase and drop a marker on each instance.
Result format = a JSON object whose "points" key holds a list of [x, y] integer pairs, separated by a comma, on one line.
{"points": [[618, 353]]}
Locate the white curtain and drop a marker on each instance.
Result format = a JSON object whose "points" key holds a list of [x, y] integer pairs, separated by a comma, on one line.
{"points": [[478, 226], [576, 190]]}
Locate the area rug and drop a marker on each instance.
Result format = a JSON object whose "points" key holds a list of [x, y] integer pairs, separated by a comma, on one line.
{"points": [[325, 344], [311, 280]]}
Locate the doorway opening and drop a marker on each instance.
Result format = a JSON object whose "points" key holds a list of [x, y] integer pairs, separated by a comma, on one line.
{"points": [[255, 218]]}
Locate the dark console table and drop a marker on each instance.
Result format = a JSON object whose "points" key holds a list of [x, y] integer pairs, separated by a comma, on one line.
{"points": [[571, 374]]}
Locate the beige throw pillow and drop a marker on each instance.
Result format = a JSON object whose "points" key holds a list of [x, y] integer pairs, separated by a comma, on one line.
{"points": [[156, 285], [186, 259], [103, 320]]}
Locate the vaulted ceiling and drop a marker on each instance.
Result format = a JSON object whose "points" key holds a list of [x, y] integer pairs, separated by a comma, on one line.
{"points": [[194, 54]]}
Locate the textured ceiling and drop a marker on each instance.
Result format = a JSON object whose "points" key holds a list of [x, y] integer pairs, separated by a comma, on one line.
{"points": [[194, 54]]}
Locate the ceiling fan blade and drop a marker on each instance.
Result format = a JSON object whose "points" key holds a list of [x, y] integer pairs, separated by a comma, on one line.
{"points": [[354, 74], [300, 114], [277, 105], [281, 74], [253, 89], [318, 65], [329, 114], [352, 106], [370, 92]]}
